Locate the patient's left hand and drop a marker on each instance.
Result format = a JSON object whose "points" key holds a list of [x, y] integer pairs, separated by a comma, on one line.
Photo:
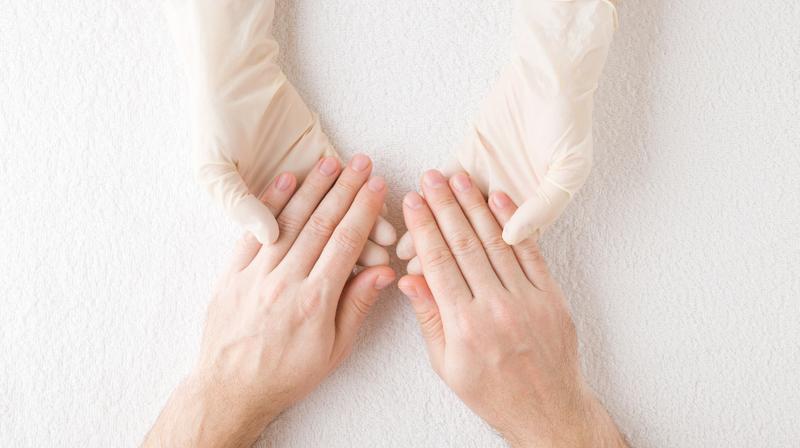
{"points": [[283, 316]]}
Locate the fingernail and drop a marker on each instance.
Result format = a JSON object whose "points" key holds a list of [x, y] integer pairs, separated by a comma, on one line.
{"points": [[461, 182], [328, 166], [413, 201], [433, 179], [284, 182], [382, 282], [360, 162], [501, 200], [376, 184]]}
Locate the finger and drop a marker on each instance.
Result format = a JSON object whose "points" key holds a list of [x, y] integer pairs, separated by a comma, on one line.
{"points": [[300, 207], [356, 302], [373, 255], [320, 226], [461, 238], [527, 251], [222, 180], [347, 241], [441, 270], [475, 207], [275, 198], [536, 213], [405, 247], [428, 316], [383, 233], [414, 267]]}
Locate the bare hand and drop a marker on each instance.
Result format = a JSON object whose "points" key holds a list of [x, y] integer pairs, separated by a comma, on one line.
{"points": [[283, 316], [496, 324]]}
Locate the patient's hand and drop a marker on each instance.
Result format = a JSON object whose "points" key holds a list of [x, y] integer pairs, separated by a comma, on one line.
{"points": [[496, 324], [282, 316]]}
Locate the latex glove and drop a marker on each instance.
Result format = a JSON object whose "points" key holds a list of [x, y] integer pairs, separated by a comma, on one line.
{"points": [[533, 136], [250, 123]]}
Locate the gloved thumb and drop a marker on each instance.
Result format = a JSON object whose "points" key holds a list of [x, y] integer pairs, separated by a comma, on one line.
{"points": [[251, 214], [225, 185], [536, 213]]}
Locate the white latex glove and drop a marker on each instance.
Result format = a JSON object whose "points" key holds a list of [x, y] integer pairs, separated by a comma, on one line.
{"points": [[250, 123], [533, 136]]}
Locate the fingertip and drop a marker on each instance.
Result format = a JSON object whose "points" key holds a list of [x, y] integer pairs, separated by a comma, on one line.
{"points": [[285, 182], [377, 184], [433, 179], [414, 267], [461, 182], [406, 284], [500, 200], [384, 232], [328, 166], [373, 255], [266, 231], [413, 201], [513, 235], [405, 247], [384, 278]]}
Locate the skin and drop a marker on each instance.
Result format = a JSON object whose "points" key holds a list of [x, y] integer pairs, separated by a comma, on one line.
{"points": [[496, 324], [284, 316]]}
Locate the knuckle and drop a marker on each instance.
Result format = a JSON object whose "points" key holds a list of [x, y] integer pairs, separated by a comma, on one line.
{"points": [[321, 226], [437, 258], [530, 253], [477, 208], [427, 321], [495, 243], [311, 303], [349, 239], [445, 201], [347, 187], [361, 306], [463, 243], [289, 224]]}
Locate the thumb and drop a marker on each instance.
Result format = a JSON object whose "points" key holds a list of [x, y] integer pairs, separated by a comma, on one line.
{"points": [[226, 186], [255, 217], [356, 301], [428, 316], [536, 213]]}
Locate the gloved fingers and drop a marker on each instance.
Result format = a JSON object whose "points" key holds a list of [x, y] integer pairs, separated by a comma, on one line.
{"points": [[383, 232], [536, 213], [527, 251], [414, 267], [275, 198], [373, 255], [256, 218], [405, 247]]}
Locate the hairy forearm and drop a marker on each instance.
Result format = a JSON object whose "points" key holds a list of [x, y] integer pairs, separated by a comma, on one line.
{"points": [[591, 427], [197, 416]]}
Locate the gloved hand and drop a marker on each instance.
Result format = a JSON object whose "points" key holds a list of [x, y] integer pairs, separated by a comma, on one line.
{"points": [[250, 123], [533, 136]]}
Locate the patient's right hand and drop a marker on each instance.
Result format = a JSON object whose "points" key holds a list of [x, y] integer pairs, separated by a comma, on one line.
{"points": [[496, 324]]}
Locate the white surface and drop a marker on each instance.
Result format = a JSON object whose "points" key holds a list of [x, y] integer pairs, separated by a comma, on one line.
{"points": [[680, 257]]}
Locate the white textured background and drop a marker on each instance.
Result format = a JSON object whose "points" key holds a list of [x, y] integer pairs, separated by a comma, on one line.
{"points": [[680, 257]]}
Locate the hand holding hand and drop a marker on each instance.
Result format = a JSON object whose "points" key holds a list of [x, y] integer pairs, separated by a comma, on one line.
{"points": [[497, 327], [283, 316]]}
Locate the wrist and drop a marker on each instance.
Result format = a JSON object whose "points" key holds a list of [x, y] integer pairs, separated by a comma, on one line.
{"points": [[588, 425], [199, 413]]}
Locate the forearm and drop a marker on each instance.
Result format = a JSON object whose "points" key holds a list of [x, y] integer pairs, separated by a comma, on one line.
{"points": [[196, 416], [590, 426]]}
